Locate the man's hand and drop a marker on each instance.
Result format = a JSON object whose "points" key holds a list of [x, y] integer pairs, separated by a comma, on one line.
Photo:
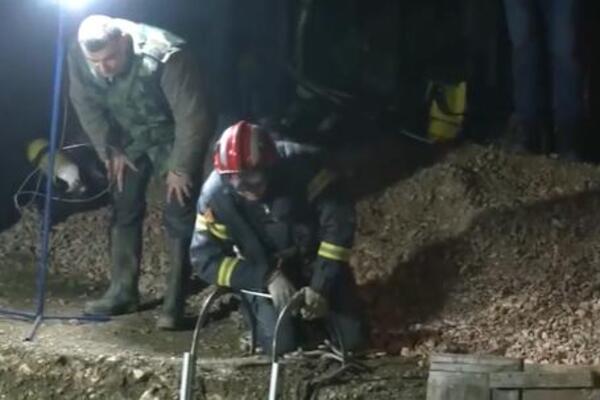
{"points": [[280, 289], [180, 185], [315, 304], [115, 167]]}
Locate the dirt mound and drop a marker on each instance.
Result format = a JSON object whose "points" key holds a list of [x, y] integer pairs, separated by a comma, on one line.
{"points": [[485, 252], [79, 248]]}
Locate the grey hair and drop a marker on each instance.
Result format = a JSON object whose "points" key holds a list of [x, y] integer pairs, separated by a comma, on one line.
{"points": [[96, 32]]}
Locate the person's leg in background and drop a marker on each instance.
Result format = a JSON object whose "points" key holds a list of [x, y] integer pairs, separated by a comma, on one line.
{"points": [[129, 206], [179, 223], [346, 317], [591, 15], [564, 22], [526, 34], [487, 93]]}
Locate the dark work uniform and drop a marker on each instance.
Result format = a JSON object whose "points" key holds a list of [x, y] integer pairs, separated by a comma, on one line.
{"points": [[304, 224]]}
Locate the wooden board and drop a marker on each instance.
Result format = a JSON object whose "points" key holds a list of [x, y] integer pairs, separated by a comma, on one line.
{"points": [[561, 368], [542, 380], [564, 394], [569, 394], [465, 377], [457, 386], [473, 359], [502, 394], [473, 368]]}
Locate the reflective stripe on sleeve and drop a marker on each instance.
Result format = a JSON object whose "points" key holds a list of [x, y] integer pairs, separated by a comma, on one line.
{"points": [[334, 252], [206, 222], [225, 270], [200, 223]]}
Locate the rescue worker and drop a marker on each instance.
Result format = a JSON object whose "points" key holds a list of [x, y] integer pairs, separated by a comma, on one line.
{"points": [[142, 101], [277, 223]]}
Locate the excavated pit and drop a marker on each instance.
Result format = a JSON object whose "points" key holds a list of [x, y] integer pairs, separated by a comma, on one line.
{"points": [[127, 358], [478, 251]]}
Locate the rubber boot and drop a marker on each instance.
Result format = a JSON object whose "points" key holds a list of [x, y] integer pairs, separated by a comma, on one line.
{"points": [[173, 307], [122, 296]]}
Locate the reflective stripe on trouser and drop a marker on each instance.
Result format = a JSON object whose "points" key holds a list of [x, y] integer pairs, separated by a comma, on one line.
{"points": [[225, 271], [334, 252]]}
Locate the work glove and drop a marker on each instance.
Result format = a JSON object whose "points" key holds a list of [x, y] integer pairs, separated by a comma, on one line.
{"points": [[315, 304], [280, 289]]}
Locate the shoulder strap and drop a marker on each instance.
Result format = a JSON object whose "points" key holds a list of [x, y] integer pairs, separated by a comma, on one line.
{"points": [[319, 183]]}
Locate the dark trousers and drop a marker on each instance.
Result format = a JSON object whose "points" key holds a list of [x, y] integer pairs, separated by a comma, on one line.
{"points": [[544, 33], [129, 205], [345, 319]]}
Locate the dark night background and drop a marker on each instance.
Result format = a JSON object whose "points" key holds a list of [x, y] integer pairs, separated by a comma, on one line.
{"points": [[26, 67], [383, 51]]}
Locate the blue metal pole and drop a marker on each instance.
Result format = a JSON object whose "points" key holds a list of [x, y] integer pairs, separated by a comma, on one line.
{"points": [[44, 262]]}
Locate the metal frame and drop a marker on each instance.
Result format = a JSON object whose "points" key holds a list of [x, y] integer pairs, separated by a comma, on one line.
{"points": [[188, 372]]}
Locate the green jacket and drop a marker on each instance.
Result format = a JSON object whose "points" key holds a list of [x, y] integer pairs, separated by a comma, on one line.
{"points": [[157, 107]]}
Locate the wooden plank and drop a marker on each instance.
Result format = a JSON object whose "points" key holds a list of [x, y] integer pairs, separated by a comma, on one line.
{"points": [[569, 394], [561, 368], [473, 368], [465, 377], [457, 386], [506, 394], [542, 380], [447, 358]]}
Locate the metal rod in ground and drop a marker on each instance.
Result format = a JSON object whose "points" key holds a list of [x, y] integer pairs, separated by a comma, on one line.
{"points": [[273, 387], [36, 325], [257, 294], [188, 370], [295, 302], [187, 373]]}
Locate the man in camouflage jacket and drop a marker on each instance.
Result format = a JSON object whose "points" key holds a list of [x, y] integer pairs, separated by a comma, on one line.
{"points": [[142, 101]]}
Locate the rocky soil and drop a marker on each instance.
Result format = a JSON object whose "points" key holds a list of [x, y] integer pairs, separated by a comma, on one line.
{"points": [[479, 252], [485, 252]]}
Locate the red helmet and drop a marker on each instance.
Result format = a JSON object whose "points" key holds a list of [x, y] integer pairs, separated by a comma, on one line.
{"points": [[243, 147]]}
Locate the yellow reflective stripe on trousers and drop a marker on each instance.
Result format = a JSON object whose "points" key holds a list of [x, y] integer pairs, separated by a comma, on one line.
{"points": [[333, 252], [200, 223], [218, 230], [225, 270]]}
